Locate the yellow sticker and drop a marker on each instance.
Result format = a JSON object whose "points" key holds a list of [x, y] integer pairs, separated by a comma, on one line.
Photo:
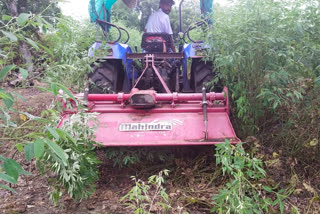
{"points": [[275, 155], [23, 117], [314, 142], [297, 191]]}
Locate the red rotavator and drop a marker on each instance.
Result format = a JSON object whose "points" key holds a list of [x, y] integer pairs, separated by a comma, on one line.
{"points": [[147, 118]]}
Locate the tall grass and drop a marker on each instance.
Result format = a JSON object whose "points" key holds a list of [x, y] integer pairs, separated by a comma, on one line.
{"points": [[69, 44], [268, 54]]}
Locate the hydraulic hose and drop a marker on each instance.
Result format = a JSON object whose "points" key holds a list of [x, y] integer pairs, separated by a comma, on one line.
{"points": [[197, 24], [101, 22], [128, 36]]}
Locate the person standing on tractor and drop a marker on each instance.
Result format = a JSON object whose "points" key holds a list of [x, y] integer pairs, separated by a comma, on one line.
{"points": [[159, 21]]}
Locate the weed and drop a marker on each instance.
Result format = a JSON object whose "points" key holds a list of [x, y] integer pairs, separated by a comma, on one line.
{"points": [[78, 174], [68, 152], [262, 53], [70, 63], [141, 200], [243, 193]]}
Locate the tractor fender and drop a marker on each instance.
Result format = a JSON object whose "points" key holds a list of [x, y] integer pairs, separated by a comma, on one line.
{"points": [[190, 51], [119, 51]]}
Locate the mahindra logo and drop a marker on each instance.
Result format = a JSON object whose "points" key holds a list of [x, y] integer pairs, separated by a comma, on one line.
{"points": [[153, 126]]}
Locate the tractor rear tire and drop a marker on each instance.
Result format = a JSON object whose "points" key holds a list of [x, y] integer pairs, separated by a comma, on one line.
{"points": [[201, 74], [107, 77]]}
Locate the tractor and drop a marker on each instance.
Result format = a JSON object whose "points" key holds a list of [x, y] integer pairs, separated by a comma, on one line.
{"points": [[160, 102]]}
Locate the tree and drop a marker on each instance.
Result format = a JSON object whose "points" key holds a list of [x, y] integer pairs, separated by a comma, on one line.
{"points": [[15, 7], [137, 17], [130, 17], [190, 14]]}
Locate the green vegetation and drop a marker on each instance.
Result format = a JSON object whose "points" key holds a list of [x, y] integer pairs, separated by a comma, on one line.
{"points": [[243, 192], [267, 53], [68, 61], [67, 152], [78, 174], [142, 201]]}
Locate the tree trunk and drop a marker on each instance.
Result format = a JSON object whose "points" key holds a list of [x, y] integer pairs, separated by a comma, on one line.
{"points": [[13, 8], [23, 47]]}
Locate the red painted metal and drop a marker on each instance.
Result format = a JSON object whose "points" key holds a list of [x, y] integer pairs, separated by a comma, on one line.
{"points": [[187, 129], [160, 97], [150, 59], [185, 119]]}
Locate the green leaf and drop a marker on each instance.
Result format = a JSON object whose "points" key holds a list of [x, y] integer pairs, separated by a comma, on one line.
{"points": [[275, 202], [3, 117], [19, 146], [6, 117], [38, 19], [54, 133], [317, 80], [5, 70], [54, 89], [19, 96], [39, 148], [12, 164], [8, 99], [57, 150], [11, 36], [24, 73], [65, 135], [22, 18], [10, 167], [47, 24], [6, 18], [29, 151], [7, 188], [294, 210], [7, 178], [46, 49], [12, 124], [70, 138], [275, 104], [32, 43], [281, 206], [2, 55], [67, 91], [4, 95], [8, 102], [44, 29]]}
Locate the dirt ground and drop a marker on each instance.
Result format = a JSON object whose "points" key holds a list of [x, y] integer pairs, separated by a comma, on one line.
{"points": [[193, 177]]}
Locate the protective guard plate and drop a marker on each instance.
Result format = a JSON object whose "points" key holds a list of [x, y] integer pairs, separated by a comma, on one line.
{"points": [[163, 129]]}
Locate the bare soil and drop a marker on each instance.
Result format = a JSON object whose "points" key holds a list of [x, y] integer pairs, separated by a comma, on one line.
{"points": [[192, 181]]}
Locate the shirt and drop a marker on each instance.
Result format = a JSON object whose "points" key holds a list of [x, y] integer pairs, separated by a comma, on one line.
{"points": [[159, 22]]}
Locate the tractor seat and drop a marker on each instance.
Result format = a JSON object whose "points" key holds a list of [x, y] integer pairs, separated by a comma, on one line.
{"points": [[156, 42]]}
